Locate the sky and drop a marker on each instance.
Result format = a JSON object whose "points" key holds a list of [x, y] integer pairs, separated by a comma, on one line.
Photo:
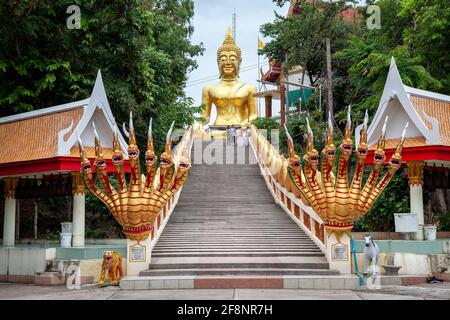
{"points": [[211, 21]]}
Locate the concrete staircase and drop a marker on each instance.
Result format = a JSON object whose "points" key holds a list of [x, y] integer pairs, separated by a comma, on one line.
{"points": [[227, 231]]}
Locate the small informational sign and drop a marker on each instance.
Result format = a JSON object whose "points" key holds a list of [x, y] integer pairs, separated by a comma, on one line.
{"points": [[339, 252], [137, 253]]}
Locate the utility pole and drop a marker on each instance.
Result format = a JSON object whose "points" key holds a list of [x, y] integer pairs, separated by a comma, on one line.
{"points": [[329, 108], [234, 24]]}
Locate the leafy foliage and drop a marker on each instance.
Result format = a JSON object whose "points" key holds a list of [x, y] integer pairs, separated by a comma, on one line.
{"points": [[414, 32], [395, 198], [142, 47]]}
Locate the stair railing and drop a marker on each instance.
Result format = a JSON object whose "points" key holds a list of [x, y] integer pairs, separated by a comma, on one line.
{"points": [[164, 214], [271, 166]]}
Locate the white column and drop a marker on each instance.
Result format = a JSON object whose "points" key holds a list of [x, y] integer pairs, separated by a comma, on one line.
{"points": [[78, 217], [416, 202], [415, 181], [78, 220], [9, 225]]}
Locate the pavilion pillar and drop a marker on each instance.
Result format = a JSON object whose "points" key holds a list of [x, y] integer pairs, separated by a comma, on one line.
{"points": [[415, 181], [9, 225], [78, 217], [268, 106]]}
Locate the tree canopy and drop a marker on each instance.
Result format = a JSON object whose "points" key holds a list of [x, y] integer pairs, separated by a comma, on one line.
{"points": [[142, 47]]}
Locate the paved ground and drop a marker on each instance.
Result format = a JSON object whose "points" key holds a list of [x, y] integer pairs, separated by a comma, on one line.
{"points": [[31, 292]]}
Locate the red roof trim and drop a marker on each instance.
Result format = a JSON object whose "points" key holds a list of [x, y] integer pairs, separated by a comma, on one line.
{"points": [[424, 153], [52, 164]]}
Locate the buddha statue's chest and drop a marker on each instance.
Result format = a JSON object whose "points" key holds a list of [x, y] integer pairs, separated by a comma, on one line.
{"points": [[229, 94]]}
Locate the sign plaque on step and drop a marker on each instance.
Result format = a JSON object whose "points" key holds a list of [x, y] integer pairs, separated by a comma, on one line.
{"points": [[137, 253], [339, 252]]}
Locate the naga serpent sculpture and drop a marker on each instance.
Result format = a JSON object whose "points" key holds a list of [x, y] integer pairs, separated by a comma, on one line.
{"points": [[135, 207], [337, 202]]}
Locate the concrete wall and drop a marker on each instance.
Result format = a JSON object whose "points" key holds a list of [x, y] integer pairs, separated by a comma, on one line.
{"points": [[21, 264]]}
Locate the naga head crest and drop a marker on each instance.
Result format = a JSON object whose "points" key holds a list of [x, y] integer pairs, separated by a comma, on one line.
{"points": [[395, 160], [117, 157], [100, 162], [361, 151], [379, 155], [166, 157], [311, 156], [347, 143], [294, 159], [330, 149], [86, 167], [133, 150], [150, 156]]}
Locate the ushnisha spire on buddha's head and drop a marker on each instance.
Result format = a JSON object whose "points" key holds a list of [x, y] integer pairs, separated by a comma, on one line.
{"points": [[229, 45]]}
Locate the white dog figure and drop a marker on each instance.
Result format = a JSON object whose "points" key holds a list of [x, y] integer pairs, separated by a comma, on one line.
{"points": [[371, 252]]}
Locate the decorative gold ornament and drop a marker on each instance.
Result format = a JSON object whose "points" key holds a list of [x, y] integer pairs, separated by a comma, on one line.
{"points": [[415, 173], [135, 207], [77, 184], [10, 187]]}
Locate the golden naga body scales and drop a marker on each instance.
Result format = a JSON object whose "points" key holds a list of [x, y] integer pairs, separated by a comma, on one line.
{"points": [[338, 201], [135, 205]]}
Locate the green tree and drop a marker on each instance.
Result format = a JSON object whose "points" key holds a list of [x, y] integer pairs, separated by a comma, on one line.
{"points": [[142, 47], [300, 39], [428, 35]]}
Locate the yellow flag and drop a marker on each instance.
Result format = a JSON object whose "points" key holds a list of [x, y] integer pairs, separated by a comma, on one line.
{"points": [[260, 43]]}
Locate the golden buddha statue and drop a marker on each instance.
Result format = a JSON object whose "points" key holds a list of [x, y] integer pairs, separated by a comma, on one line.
{"points": [[234, 100]]}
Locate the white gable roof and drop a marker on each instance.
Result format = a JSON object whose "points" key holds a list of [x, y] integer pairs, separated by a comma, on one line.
{"points": [[96, 110], [395, 102]]}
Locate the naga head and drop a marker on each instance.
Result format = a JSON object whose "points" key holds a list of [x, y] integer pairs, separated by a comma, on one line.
{"points": [[184, 164], [117, 156], [100, 161], [329, 152], [86, 166], [347, 143], [395, 161], [311, 156], [294, 160], [165, 161], [150, 156], [379, 155], [361, 151], [133, 150]]}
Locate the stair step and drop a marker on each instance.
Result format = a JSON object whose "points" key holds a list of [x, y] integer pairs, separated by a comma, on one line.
{"points": [[236, 271]]}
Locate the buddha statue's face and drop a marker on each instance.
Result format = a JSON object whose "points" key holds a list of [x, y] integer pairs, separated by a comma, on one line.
{"points": [[229, 64]]}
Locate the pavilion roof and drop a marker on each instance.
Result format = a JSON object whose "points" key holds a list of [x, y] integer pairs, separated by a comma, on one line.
{"points": [[51, 132], [428, 115]]}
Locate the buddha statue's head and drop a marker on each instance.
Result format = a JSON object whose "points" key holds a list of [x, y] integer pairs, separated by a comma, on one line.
{"points": [[229, 58]]}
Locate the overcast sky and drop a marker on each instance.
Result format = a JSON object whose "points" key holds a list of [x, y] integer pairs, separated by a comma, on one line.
{"points": [[211, 21]]}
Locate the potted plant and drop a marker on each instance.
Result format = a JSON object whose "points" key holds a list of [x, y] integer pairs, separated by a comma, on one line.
{"points": [[430, 226]]}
